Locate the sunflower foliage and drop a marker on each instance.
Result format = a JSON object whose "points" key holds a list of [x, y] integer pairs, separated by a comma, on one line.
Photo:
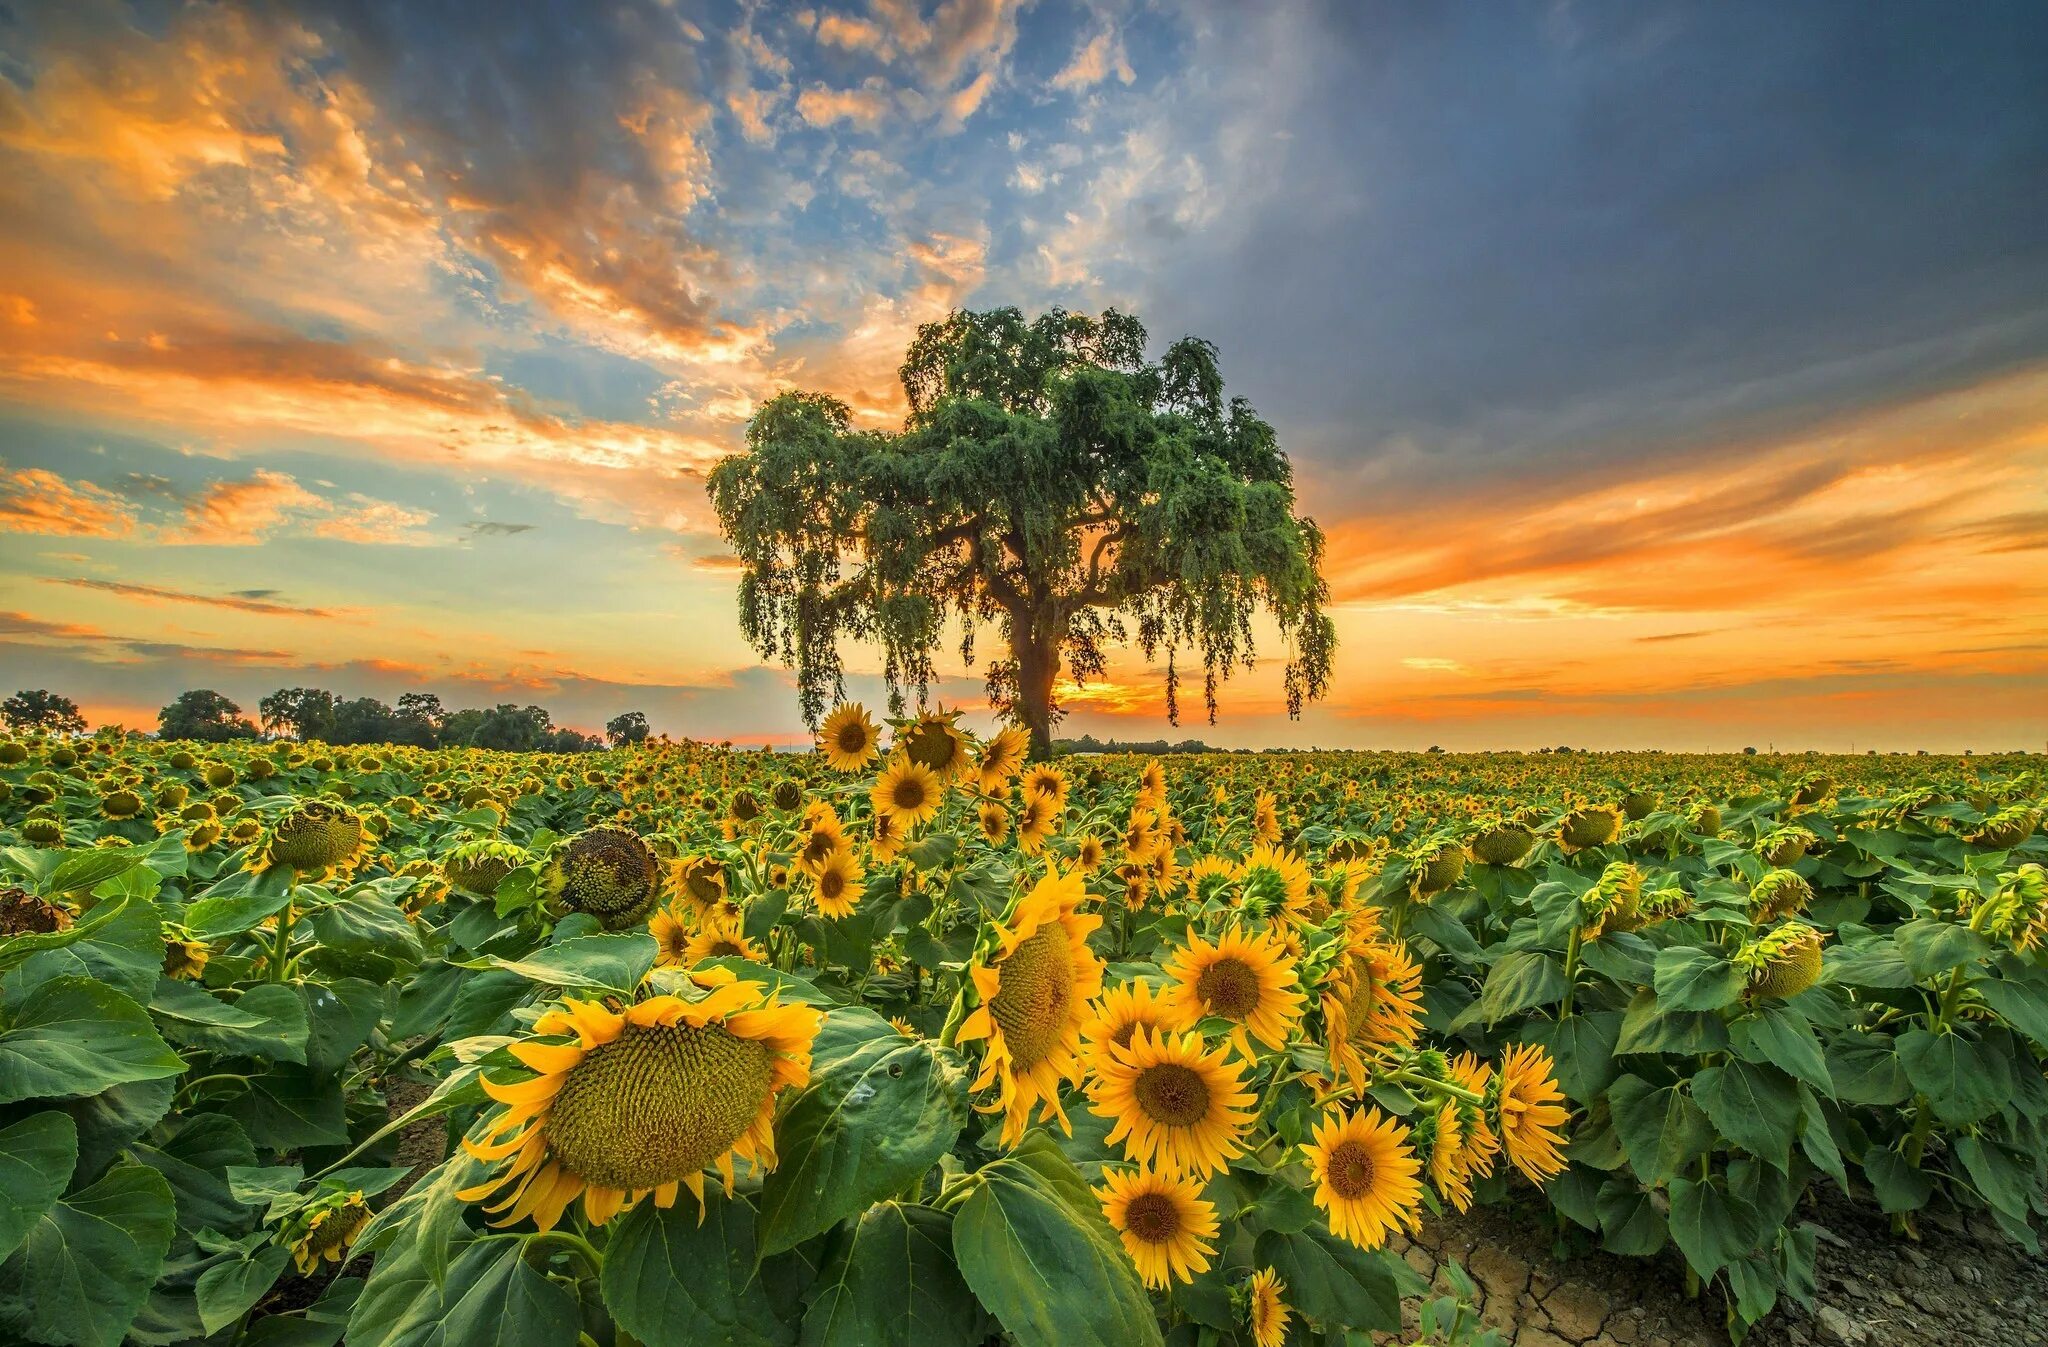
{"points": [[913, 1040], [1048, 480]]}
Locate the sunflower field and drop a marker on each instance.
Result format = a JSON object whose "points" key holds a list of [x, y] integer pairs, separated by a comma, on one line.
{"points": [[910, 1041]]}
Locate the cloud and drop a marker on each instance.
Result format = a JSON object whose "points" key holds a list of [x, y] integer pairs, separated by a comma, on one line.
{"points": [[1096, 60], [492, 528], [864, 107], [35, 500], [242, 601]]}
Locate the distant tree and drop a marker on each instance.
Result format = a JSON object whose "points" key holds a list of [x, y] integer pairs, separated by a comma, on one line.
{"points": [[204, 715], [419, 719], [630, 728], [1049, 480], [363, 721], [505, 727], [564, 740], [41, 709], [304, 713]]}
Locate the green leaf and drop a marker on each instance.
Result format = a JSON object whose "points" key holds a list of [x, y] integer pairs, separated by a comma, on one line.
{"points": [[1334, 1281], [1871, 962], [2023, 1005], [1691, 978], [1898, 1186], [2002, 1175], [75, 1036], [289, 1107], [339, 1018], [195, 1160], [229, 1290], [1630, 1223], [1754, 1106], [366, 934], [1661, 1129], [37, 1156], [1582, 1046], [87, 1265], [1782, 1036], [239, 902], [1931, 946], [673, 1281], [1865, 1068], [88, 869], [127, 953], [865, 1127], [1052, 1272], [267, 1021], [1962, 1082], [496, 1298], [893, 1283], [596, 962], [1649, 1026], [1521, 981], [1709, 1228]]}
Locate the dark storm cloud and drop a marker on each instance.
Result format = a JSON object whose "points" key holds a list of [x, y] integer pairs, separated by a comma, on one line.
{"points": [[1572, 234]]}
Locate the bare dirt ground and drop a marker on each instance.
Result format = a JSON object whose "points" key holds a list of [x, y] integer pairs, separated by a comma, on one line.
{"points": [[1961, 1282]]}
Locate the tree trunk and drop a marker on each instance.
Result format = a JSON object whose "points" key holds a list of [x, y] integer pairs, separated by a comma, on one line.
{"points": [[1038, 664]]}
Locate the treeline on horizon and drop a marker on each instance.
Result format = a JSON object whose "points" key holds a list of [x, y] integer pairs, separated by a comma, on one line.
{"points": [[419, 719]]}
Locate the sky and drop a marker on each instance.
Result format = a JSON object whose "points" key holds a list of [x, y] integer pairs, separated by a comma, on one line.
{"points": [[1664, 375]]}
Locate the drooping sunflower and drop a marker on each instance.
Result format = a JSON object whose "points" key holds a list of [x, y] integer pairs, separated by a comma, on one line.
{"points": [[1035, 987], [1781, 963], [849, 739], [1458, 1151], [1373, 1001], [836, 887], [1152, 786], [1163, 1221], [907, 792], [699, 881], [1527, 1114], [325, 1234], [1265, 817], [994, 821], [640, 1101], [476, 866], [1365, 1176], [314, 837], [1176, 1105], [1121, 1012], [1244, 978], [608, 872], [1037, 819], [1267, 1308], [933, 741], [1779, 893]]}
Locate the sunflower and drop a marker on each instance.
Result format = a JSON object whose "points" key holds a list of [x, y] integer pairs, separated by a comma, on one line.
{"points": [[185, 959], [325, 1235], [1152, 786], [1175, 1105], [1365, 1176], [1374, 1001], [907, 792], [1035, 987], [721, 940], [1527, 1114], [1037, 819], [1246, 979], [316, 837], [1265, 819], [849, 739], [1461, 1148], [1268, 1312], [822, 835], [1781, 963], [1119, 1013], [836, 885], [1163, 1221], [1088, 853], [1049, 781], [1002, 758], [933, 741], [1274, 876], [995, 822], [1779, 893], [671, 938], [885, 839], [608, 872], [640, 1101], [476, 867]]}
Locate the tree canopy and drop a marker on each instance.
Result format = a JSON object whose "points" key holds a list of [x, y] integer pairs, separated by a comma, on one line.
{"points": [[1049, 480], [204, 715], [41, 709]]}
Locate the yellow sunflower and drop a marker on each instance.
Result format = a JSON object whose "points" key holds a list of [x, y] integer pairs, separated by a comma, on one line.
{"points": [[1269, 1312], [1152, 786], [1121, 1012], [1244, 978], [1464, 1146], [836, 887], [849, 739], [671, 938], [1037, 819], [1035, 987], [1365, 1176], [1373, 1001], [1049, 781], [1163, 1221], [995, 822], [1175, 1105], [822, 835], [934, 741], [1088, 853], [1275, 875], [1265, 819], [907, 792], [327, 1233], [720, 940], [640, 1101], [1002, 758], [1528, 1114]]}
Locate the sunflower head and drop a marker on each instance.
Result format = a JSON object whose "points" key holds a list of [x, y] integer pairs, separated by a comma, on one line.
{"points": [[640, 1100], [23, 913], [12, 753], [1164, 1223], [1266, 1310], [121, 803], [1779, 893], [476, 866], [1502, 843], [219, 775], [1436, 867], [326, 1229], [2004, 830], [1588, 826], [1785, 846], [1177, 1104], [836, 883], [787, 794], [934, 742], [1245, 978], [907, 792], [607, 872], [1781, 963], [1638, 805], [316, 836], [1527, 1112], [1365, 1176]]}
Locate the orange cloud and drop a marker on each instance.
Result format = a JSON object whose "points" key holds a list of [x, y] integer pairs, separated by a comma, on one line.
{"points": [[35, 500], [240, 603]]}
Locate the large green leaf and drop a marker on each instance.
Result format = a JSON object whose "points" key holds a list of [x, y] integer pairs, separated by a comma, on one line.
{"points": [[1754, 1106], [1650, 1026], [1963, 1083], [1865, 1068], [1521, 980], [1333, 1281], [288, 1107], [75, 1036], [1782, 1036], [1710, 1228], [1897, 1185], [239, 902], [588, 962], [1582, 1046], [496, 1298], [673, 1280], [194, 1159], [1931, 946], [865, 1127], [228, 1290], [89, 869], [88, 1263], [892, 1282], [37, 1156], [1661, 1129], [2023, 1005], [267, 1021], [1692, 978], [1041, 1258], [1630, 1223], [127, 953]]}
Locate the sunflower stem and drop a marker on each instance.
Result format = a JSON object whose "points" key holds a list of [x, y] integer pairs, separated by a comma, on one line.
{"points": [[954, 1017], [282, 944], [571, 1242]]}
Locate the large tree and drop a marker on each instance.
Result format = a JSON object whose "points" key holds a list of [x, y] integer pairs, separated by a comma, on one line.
{"points": [[1050, 480], [40, 709], [205, 715]]}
